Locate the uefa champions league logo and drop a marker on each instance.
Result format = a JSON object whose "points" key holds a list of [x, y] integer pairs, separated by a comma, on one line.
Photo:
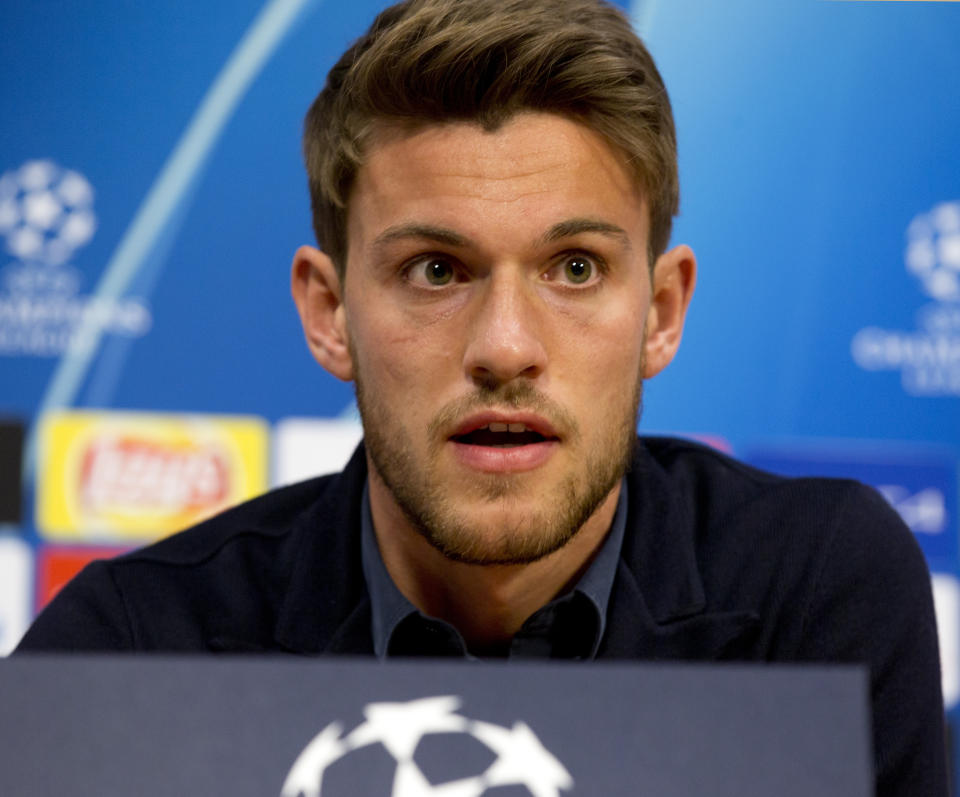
{"points": [[928, 357], [46, 212], [933, 251], [46, 215], [520, 759]]}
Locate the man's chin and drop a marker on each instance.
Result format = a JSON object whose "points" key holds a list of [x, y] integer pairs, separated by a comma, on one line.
{"points": [[503, 527], [504, 494], [490, 547]]}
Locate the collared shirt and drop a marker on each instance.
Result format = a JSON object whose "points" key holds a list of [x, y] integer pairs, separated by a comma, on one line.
{"points": [[570, 626]]}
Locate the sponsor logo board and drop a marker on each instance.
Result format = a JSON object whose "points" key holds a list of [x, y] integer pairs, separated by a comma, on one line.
{"points": [[946, 599], [136, 477], [16, 565], [306, 447]]}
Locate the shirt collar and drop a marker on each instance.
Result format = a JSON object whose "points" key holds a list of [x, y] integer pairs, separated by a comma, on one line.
{"points": [[389, 606], [597, 582]]}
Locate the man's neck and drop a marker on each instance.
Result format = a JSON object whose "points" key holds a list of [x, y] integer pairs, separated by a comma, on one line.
{"points": [[487, 604]]}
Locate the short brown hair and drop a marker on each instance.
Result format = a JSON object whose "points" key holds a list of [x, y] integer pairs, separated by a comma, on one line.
{"points": [[434, 61]]}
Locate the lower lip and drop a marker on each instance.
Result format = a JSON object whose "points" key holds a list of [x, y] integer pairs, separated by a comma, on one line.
{"points": [[515, 459]]}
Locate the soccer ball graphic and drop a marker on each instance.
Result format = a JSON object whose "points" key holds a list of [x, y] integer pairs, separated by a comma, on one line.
{"points": [[520, 760], [46, 212], [933, 251]]}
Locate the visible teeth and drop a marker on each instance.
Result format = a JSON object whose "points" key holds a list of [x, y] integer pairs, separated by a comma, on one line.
{"points": [[507, 427]]}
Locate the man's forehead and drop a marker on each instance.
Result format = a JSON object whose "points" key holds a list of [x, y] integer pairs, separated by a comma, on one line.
{"points": [[533, 162], [528, 140]]}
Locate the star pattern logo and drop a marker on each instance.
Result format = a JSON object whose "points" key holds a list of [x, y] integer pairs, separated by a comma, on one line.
{"points": [[520, 757], [46, 212], [933, 251]]}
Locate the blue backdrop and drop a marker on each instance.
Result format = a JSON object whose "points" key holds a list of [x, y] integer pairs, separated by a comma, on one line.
{"points": [[152, 195]]}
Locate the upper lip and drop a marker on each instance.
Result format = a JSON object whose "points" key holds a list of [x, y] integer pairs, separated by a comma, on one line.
{"points": [[479, 420]]}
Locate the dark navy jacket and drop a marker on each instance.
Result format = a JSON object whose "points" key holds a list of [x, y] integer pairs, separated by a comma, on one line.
{"points": [[720, 562]]}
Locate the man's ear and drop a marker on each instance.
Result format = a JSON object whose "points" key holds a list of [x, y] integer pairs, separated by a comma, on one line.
{"points": [[674, 277], [318, 294]]}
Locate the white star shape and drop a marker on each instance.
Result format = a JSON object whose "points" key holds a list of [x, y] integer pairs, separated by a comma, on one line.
{"points": [[521, 758], [410, 782], [947, 217], [943, 285], [74, 189], [306, 775], [399, 726], [949, 250], [41, 209], [921, 256], [24, 242], [36, 174], [78, 228]]}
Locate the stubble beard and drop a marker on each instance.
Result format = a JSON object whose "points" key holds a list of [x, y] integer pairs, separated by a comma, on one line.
{"points": [[431, 506]]}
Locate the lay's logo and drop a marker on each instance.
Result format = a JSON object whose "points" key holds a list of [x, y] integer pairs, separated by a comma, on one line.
{"points": [[130, 476]]}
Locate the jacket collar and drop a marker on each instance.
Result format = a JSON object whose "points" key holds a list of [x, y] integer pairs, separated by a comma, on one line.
{"points": [[659, 607], [326, 607]]}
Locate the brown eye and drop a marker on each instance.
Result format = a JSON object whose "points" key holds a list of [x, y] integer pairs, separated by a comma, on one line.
{"points": [[578, 270], [438, 272], [431, 271]]}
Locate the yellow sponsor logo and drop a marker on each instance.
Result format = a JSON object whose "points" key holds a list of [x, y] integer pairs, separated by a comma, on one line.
{"points": [[139, 476]]}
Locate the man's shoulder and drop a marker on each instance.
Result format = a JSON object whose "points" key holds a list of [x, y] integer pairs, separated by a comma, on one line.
{"points": [[749, 539], [782, 548], [688, 462], [730, 513], [738, 563], [714, 484], [241, 580]]}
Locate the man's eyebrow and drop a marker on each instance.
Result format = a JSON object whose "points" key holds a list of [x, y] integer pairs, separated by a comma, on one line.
{"points": [[441, 235], [570, 227], [448, 237]]}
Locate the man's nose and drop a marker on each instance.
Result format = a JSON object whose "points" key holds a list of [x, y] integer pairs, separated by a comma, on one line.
{"points": [[506, 339]]}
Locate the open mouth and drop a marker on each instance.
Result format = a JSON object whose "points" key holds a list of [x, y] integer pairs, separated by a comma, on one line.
{"points": [[501, 435]]}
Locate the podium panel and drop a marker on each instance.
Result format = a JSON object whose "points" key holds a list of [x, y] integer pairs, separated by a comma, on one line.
{"points": [[86, 725]]}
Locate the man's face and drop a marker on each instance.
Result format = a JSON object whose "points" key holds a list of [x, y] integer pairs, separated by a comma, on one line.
{"points": [[495, 298]]}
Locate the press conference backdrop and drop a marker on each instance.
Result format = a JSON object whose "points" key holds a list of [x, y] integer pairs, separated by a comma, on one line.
{"points": [[152, 194]]}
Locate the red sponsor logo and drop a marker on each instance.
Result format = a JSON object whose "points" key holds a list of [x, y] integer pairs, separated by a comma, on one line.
{"points": [[118, 473], [57, 565]]}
